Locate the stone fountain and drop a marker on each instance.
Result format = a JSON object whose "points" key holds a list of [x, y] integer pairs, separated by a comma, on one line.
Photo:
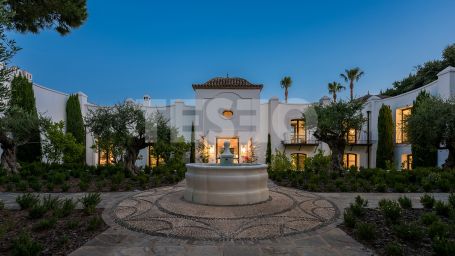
{"points": [[226, 183]]}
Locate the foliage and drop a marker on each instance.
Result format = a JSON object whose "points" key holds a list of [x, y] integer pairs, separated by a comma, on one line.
{"points": [[442, 208], [318, 163], [22, 96], [393, 249], [285, 83], [424, 74], [44, 224], [386, 146], [37, 210], [358, 207], [33, 16], [443, 247], [27, 200], [405, 202], [75, 121], [90, 201], [280, 162], [428, 218], [427, 201], [442, 127], [60, 146], [334, 88], [192, 145], [365, 231], [390, 209], [202, 150], [268, 153], [438, 229], [333, 123], [350, 219], [351, 75], [66, 208], [411, 232], [94, 223], [452, 200], [25, 245]]}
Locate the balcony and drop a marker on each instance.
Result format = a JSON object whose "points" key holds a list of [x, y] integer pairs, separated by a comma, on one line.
{"points": [[298, 140]]}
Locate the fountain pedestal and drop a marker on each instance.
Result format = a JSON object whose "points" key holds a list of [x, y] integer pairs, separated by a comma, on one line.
{"points": [[226, 183]]}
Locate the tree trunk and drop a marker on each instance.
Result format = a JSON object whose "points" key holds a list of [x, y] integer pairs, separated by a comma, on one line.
{"points": [[334, 97], [8, 159], [286, 95], [351, 86], [450, 161], [130, 161]]}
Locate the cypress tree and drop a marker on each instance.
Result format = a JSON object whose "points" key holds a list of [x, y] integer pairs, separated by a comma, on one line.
{"points": [[192, 145], [423, 154], [268, 156], [22, 96], [384, 152], [74, 120]]}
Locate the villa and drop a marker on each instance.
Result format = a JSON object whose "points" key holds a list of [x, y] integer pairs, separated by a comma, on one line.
{"points": [[231, 109]]}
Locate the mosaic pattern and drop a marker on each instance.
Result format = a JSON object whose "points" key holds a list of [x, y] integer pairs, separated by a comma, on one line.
{"points": [[164, 212]]}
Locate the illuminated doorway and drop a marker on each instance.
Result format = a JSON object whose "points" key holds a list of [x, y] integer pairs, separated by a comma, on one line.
{"points": [[234, 147]]}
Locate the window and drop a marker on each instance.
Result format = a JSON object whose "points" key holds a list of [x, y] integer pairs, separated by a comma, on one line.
{"points": [[154, 161], [298, 160], [350, 160], [352, 136], [299, 132], [228, 114], [406, 161], [402, 114], [103, 158]]}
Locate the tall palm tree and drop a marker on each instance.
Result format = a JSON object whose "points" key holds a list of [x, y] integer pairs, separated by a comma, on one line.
{"points": [[286, 82], [335, 87], [351, 75]]}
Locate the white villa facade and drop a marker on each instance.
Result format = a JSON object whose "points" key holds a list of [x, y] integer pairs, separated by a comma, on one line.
{"points": [[231, 109]]}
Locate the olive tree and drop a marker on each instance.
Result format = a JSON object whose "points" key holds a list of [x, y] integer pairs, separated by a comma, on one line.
{"points": [[332, 123]]}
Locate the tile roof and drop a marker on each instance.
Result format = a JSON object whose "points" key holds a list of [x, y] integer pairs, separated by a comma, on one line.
{"points": [[227, 83]]}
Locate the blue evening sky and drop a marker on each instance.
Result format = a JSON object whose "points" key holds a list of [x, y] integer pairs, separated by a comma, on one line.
{"points": [[131, 48]]}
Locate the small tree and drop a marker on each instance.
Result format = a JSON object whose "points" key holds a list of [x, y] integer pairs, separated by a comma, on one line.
{"points": [[22, 96], [202, 150], [384, 153], [60, 146], [334, 88], [280, 162], [423, 155], [268, 153], [75, 122], [333, 123], [285, 83], [192, 145], [433, 125], [352, 75]]}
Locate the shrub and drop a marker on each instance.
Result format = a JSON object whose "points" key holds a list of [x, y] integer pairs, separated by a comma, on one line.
{"points": [[427, 201], [22, 185], [72, 224], [381, 187], [280, 162], [65, 187], [318, 163], [365, 231], [90, 201], [37, 211], [66, 208], [443, 247], [36, 185], [83, 185], [50, 186], [393, 249], [358, 207], [94, 223], [405, 202], [390, 209], [409, 232], [118, 178], [442, 208], [428, 218], [27, 200], [2, 205], [452, 200], [349, 217], [51, 203], [438, 229], [25, 245], [45, 224]]}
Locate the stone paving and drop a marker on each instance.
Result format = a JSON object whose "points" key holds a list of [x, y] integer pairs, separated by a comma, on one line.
{"points": [[326, 239]]}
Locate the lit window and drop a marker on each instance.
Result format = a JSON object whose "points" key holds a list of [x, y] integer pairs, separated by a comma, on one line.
{"points": [[406, 161], [103, 158], [228, 114], [402, 115], [350, 160], [299, 132], [153, 160], [298, 160], [352, 136]]}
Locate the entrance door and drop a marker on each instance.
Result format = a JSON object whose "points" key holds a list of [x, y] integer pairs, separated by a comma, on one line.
{"points": [[234, 147]]}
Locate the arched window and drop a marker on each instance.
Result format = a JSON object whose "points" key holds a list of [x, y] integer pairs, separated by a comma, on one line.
{"points": [[350, 160], [298, 131], [298, 160]]}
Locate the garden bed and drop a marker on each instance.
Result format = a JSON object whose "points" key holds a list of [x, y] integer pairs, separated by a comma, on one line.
{"points": [[39, 177], [58, 229], [396, 229]]}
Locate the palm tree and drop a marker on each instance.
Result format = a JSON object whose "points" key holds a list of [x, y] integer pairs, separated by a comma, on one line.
{"points": [[335, 87], [352, 75], [286, 82]]}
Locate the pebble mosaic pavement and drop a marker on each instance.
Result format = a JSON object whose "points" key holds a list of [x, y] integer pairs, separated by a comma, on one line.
{"points": [[164, 212]]}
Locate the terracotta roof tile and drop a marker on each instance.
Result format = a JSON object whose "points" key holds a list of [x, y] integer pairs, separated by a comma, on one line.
{"points": [[227, 83]]}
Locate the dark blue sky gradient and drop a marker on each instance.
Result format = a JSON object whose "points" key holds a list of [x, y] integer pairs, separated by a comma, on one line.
{"points": [[161, 47]]}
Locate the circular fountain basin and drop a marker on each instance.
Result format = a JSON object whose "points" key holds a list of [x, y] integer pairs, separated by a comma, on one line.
{"points": [[238, 184]]}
